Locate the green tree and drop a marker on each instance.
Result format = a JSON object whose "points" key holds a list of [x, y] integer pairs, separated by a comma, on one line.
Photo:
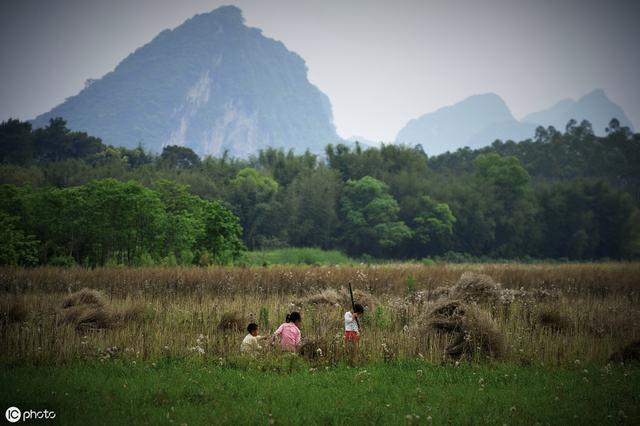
{"points": [[16, 248], [56, 142], [370, 218], [16, 142], [122, 220], [253, 196], [432, 226], [311, 205], [180, 157], [183, 224], [221, 241], [505, 186], [588, 220]]}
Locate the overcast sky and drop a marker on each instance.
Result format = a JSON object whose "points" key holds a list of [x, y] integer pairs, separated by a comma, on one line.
{"points": [[380, 62]]}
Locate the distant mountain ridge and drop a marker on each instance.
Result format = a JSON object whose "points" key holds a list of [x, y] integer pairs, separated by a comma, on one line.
{"points": [[211, 84], [479, 120], [595, 107]]}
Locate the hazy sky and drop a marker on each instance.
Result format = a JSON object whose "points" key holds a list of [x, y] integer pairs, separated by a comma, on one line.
{"points": [[380, 62]]}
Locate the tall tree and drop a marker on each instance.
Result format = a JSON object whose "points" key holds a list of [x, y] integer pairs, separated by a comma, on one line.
{"points": [[370, 218]]}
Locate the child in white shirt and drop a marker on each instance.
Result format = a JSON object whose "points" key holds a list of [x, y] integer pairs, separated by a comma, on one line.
{"points": [[250, 344], [351, 329]]}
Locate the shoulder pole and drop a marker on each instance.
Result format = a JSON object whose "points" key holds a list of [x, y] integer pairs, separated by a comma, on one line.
{"points": [[353, 306]]}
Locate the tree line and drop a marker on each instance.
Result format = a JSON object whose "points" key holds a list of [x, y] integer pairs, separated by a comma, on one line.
{"points": [[111, 222], [568, 194]]}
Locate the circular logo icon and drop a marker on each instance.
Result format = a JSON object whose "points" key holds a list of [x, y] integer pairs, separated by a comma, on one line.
{"points": [[13, 414]]}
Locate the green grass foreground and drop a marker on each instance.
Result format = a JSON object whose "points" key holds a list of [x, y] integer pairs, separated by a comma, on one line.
{"points": [[195, 392]]}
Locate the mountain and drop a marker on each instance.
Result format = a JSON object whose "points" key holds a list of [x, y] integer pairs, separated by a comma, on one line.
{"points": [[594, 107], [212, 84], [479, 120], [456, 126], [505, 130]]}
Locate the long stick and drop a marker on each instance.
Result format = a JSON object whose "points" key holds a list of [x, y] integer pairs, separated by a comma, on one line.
{"points": [[353, 306]]}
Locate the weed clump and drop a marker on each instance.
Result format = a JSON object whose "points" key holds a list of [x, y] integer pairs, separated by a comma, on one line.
{"points": [[314, 349]]}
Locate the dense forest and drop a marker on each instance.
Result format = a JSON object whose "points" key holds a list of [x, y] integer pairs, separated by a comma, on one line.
{"points": [[66, 197]]}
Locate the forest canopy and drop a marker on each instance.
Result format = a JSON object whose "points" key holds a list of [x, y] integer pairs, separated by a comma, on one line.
{"points": [[69, 198]]}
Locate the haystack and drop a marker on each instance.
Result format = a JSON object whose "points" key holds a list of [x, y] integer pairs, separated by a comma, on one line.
{"points": [[95, 319], [12, 311], [340, 298], [231, 321], [327, 296], [470, 287], [553, 320], [88, 309], [630, 352], [439, 293], [85, 296], [445, 317], [366, 299], [130, 313], [481, 336], [474, 332], [87, 317], [479, 288]]}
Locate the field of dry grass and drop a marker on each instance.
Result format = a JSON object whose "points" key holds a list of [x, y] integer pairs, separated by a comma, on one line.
{"points": [[532, 314]]}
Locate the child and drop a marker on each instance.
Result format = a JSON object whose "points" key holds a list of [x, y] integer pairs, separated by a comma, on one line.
{"points": [[351, 330], [289, 332], [250, 343]]}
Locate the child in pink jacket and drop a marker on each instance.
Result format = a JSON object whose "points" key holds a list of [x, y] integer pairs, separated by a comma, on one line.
{"points": [[289, 332]]}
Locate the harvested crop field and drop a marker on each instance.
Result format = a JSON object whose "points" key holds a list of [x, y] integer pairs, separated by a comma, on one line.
{"points": [[550, 314]]}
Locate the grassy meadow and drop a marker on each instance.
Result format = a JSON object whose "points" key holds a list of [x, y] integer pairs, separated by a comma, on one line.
{"points": [[461, 344], [298, 256]]}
